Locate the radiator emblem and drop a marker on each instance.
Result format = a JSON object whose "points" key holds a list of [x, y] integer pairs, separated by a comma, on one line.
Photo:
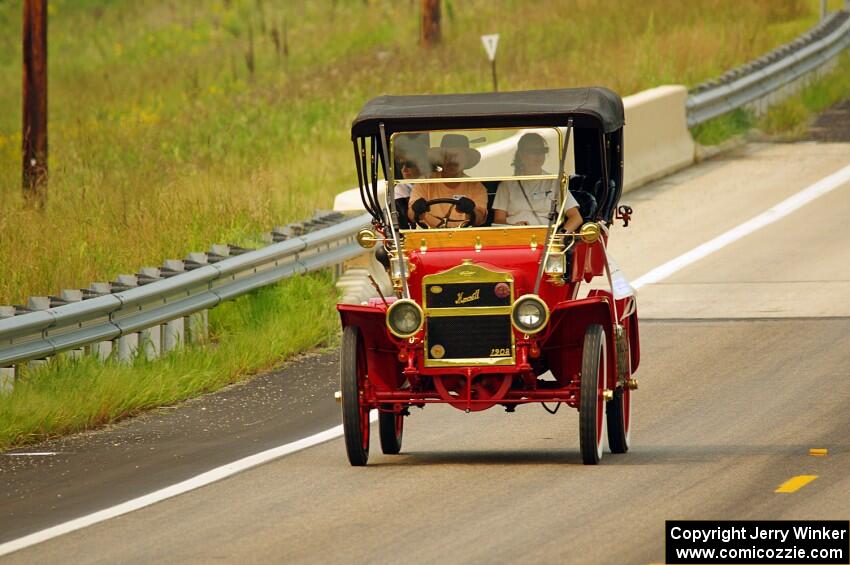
{"points": [[436, 289], [461, 299], [438, 351]]}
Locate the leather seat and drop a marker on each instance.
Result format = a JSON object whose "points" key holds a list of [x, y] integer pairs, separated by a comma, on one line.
{"points": [[584, 195]]}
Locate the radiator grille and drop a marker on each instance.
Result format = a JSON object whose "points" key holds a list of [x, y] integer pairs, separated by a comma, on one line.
{"points": [[465, 337]]}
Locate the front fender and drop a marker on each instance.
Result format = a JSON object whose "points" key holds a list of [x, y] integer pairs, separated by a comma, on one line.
{"points": [[564, 340], [381, 351]]}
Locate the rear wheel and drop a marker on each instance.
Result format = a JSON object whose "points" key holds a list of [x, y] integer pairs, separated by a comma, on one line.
{"points": [[591, 402], [355, 417], [619, 415], [391, 427]]}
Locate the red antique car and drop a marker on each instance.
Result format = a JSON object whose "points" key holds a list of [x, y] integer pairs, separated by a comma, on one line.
{"points": [[492, 227]]}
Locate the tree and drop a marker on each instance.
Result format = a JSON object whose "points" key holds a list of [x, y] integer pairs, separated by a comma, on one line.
{"points": [[430, 27], [34, 133]]}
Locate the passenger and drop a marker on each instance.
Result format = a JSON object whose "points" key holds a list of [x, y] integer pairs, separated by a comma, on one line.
{"points": [[527, 202], [411, 168], [452, 157]]}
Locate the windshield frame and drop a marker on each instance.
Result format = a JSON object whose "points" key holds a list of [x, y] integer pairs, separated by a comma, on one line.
{"points": [[518, 132]]}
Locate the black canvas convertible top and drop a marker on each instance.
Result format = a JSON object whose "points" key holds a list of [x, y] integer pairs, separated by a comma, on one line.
{"points": [[588, 107]]}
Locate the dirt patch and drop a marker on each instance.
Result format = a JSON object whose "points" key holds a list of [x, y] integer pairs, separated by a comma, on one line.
{"points": [[832, 124]]}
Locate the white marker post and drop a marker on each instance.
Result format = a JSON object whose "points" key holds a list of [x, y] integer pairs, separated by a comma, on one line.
{"points": [[490, 43]]}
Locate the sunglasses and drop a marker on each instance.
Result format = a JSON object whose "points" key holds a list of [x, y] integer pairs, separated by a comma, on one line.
{"points": [[407, 164]]}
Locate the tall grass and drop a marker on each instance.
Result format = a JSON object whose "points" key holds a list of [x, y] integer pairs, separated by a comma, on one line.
{"points": [[250, 333], [177, 124], [724, 127]]}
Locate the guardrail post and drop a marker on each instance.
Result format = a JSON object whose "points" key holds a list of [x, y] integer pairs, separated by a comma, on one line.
{"points": [[35, 304], [7, 374], [128, 345], [102, 350], [173, 334], [150, 339], [219, 251], [197, 324], [72, 295], [174, 331]]}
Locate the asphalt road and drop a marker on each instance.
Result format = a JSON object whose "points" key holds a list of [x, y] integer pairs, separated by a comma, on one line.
{"points": [[744, 369]]}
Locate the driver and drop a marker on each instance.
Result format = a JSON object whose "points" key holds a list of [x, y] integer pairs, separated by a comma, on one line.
{"points": [[452, 157]]}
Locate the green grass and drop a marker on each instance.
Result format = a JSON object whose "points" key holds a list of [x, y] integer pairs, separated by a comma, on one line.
{"points": [[249, 334], [724, 127], [176, 124], [788, 119]]}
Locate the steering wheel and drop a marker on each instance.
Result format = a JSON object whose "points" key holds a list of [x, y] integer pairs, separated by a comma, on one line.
{"points": [[445, 219]]}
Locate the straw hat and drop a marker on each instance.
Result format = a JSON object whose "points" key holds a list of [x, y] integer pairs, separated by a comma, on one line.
{"points": [[455, 144]]}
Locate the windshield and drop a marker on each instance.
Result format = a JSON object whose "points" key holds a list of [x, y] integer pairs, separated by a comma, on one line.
{"points": [[476, 155], [477, 177]]}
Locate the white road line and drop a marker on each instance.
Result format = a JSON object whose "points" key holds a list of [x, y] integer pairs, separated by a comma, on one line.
{"points": [[775, 213], [787, 206], [196, 482]]}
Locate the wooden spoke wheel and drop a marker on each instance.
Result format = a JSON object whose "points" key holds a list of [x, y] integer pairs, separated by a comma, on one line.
{"points": [[619, 415], [391, 427], [355, 416], [591, 401]]}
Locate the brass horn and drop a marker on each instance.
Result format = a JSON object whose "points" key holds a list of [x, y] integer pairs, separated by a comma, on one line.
{"points": [[589, 232], [367, 238]]}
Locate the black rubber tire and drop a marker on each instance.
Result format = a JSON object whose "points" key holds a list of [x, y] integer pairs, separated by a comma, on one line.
{"points": [[619, 414], [391, 427], [591, 404], [352, 373]]}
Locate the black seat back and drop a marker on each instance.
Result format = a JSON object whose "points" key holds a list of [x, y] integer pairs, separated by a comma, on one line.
{"points": [[584, 195], [492, 186]]}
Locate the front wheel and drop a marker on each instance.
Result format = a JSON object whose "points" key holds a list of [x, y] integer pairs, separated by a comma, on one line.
{"points": [[391, 427], [591, 402], [619, 415], [355, 417]]}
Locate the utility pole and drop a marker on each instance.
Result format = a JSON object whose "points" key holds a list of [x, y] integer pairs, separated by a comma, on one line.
{"points": [[34, 134], [429, 31]]}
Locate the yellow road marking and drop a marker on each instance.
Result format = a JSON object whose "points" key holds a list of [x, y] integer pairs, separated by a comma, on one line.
{"points": [[795, 483], [818, 451]]}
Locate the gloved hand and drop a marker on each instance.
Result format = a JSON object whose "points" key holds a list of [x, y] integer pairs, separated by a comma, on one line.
{"points": [[420, 207], [465, 205]]}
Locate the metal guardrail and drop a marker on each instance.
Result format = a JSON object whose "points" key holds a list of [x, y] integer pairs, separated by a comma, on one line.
{"points": [[36, 335], [764, 76]]}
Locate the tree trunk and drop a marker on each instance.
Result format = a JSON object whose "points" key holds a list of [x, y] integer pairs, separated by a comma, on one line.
{"points": [[430, 28], [34, 134]]}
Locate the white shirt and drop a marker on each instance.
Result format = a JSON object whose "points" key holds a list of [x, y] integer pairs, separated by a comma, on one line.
{"points": [[540, 193], [402, 190]]}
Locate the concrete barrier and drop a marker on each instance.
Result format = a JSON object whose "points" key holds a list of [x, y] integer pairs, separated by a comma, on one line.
{"points": [[657, 142]]}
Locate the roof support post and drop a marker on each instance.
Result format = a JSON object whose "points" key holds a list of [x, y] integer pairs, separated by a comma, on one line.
{"points": [[389, 175]]}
